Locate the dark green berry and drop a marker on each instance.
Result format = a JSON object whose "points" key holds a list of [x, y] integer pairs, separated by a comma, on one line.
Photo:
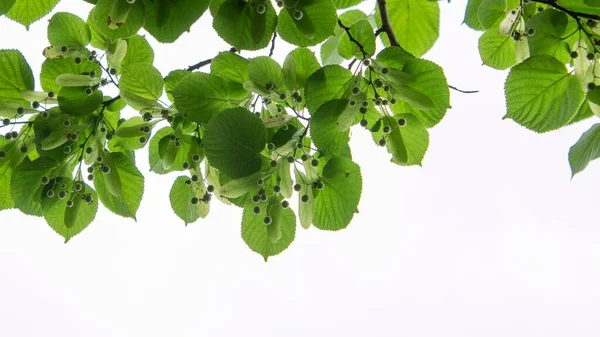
{"points": [[256, 198], [256, 209], [290, 160], [23, 148], [285, 204], [297, 187], [186, 165], [305, 198], [35, 104], [64, 49], [387, 129], [304, 157], [88, 91], [62, 194], [260, 181], [314, 162], [2, 154], [142, 140], [66, 149], [320, 186], [50, 193], [591, 56], [263, 197], [382, 142], [105, 169], [210, 188], [90, 177], [90, 169], [276, 188], [195, 200], [270, 146], [196, 158], [362, 110], [195, 178], [364, 123], [531, 32], [574, 54], [402, 122], [77, 186], [385, 70], [70, 203], [45, 180], [273, 163], [365, 103], [591, 86], [45, 114], [113, 71], [355, 90], [268, 220], [21, 111]]}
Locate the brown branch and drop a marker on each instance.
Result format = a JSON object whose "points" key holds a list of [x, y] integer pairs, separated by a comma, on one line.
{"points": [[199, 65], [463, 91], [273, 44], [385, 23], [573, 14], [352, 39]]}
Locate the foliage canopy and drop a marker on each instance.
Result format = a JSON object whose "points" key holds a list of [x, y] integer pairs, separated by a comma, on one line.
{"points": [[252, 132]]}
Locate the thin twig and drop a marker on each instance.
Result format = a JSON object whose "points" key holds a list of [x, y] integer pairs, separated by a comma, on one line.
{"points": [[273, 44], [573, 14], [352, 39], [385, 23], [463, 91], [199, 65]]}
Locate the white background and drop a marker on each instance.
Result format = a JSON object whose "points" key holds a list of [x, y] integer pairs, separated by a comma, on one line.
{"points": [[489, 238]]}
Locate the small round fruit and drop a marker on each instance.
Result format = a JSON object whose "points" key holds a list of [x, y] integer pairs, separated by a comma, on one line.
{"points": [[260, 181], [50, 193], [392, 101], [591, 86], [574, 54], [45, 114], [88, 199], [24, 148], [256, 198], [270, 146], [92, 74], [64, 49], [364, 123], [268, 220], [352, 103], [314, 162], [298, 15], [365, 103], [62, 194], [14, 134], [256, 210], [196, 158], [363, 110], [382, 142], [21, 111], [77, 60], [66, 149], [89, 91], [45, 180], [304, 157], [105, 169], [5, 121], [2, 154], [113, 71], [305, 198], [320, 186], [355, 91], [261, 9], [90, 177], [402, 122], [35, 104], [276, 188], [90, 169], [591, 56], [142, 140], [387, 129], [195, 200], [210, 188], [385, 70], [70, 203], [89, 150], [280, 3], [297, 187], [77, 186], [531, 32], [263, 197], [188, 182], [273, 163], [367, 62], [195, 178], [285, 204], [99, 159], [290, 160]]}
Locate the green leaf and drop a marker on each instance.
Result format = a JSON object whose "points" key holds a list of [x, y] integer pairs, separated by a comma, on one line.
{"points": [[408, 143], [541, 95], [230, 66], [134, 19], [305, 208], [430, 81], [585, 150], [167, 20], [415, 22], [128, 134], [131, 181], [157, 164], [25, 186], [552, 30], [66, 29], [233, 141], [15, 76], [27, 12], [471, 15], [394, 57], [298, 66], [181, 195], [318, 21], [338, 201], [496, 50], [264, 71], [141, 80], [326, 84], [361, 31], [172, 80], [238, 23], [323, 130], [75, 102], [68, 221], [6, 201], [339, 4], [52, 68], [491, 12], [138, 51], [201, 96], [5, 6], [256, 233]]}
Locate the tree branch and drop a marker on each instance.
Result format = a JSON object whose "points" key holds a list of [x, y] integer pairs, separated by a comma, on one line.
{"points": [[352, 39], [573, 14], [385, 23], [463, 91], [273, 44], [199, 65]]}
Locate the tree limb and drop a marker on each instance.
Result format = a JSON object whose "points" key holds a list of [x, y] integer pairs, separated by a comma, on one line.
{"points": [[385, 23]]}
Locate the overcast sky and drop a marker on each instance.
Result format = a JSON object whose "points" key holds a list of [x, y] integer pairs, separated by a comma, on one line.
{"points": [[489, 238]]}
